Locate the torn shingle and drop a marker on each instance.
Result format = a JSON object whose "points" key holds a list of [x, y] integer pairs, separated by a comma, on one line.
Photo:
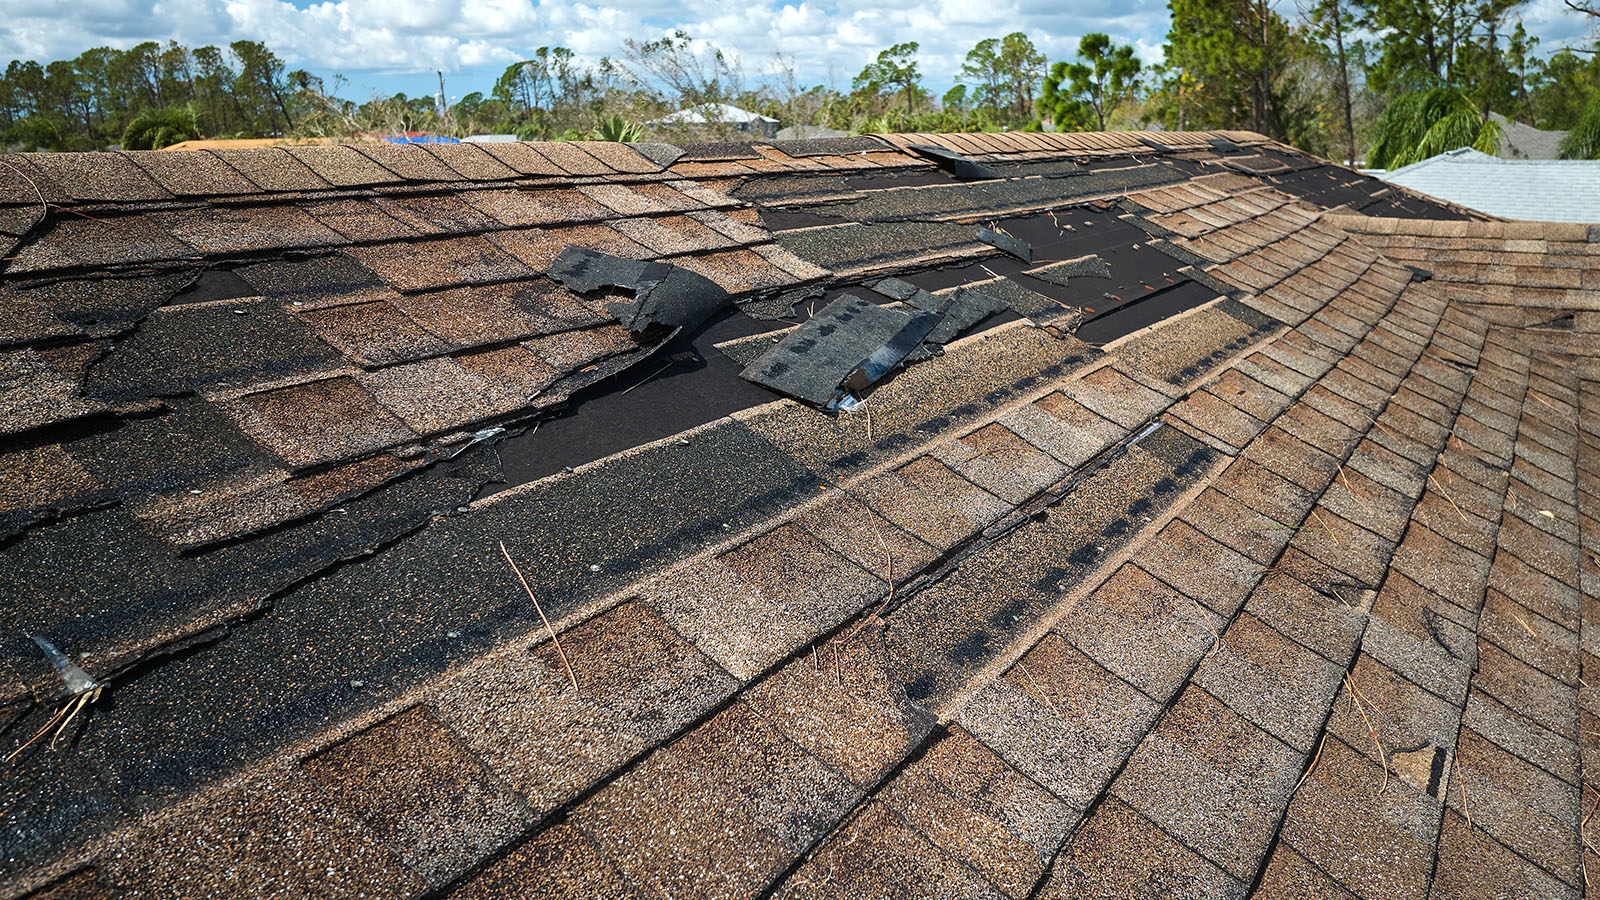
{"points": [[1014, 246], [663, 294], [958, 165], [34, 393], [1082, 267], [840, 352]]}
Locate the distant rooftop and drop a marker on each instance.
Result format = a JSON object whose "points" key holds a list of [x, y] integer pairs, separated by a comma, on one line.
{"points": [[1537, 190], [1519, 141]]}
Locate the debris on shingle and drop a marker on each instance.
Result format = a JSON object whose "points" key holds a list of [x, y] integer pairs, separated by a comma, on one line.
{"points": [[1007, 243], [956, 164], [832, 358], [1090, 266], [663, 294]]}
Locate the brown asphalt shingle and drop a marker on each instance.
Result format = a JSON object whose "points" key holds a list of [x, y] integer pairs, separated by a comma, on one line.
{"points": [[989, 636]]}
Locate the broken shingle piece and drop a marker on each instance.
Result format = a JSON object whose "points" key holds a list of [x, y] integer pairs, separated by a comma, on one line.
{"points": [[954, 163], [1007, 244], [962, 310], [1089, 266], [841, 351], [664, 294]]}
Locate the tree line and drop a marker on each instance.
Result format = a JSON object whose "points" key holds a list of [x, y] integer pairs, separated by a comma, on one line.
{"points": [[1380, 81]]}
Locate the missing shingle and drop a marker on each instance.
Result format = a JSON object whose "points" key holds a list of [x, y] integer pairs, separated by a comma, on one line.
{"points": [[663, 294], [1419, 274]]}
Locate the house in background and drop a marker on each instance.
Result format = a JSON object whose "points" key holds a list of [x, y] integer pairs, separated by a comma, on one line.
{"points": [[720, 115], [1544, 190], [1519, 141]]}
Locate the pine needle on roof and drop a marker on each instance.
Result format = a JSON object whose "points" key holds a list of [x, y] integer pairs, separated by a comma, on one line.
{"points": [[540, 610]]}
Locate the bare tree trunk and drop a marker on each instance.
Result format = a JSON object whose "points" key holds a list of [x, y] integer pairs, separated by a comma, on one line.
{"points": [[1344, 80]]}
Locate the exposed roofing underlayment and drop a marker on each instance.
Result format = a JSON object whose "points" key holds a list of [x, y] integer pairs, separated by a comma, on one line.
{"points": [[1194, 518]]}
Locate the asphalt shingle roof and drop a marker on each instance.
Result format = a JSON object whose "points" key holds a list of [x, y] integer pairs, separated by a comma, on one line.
{"points": [[1538, 190], [1252, 553]]}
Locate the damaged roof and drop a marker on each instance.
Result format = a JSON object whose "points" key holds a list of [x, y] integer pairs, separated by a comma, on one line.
{"points": [[980, 515]]}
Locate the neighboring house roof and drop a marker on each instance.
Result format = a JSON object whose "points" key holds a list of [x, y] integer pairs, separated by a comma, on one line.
{"points": [[803, 132], [1520, 141], [713, 113], [1534, 190], [1221, 521]]}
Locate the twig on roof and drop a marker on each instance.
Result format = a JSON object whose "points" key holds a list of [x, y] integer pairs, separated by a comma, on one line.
{"points": [[1353, 492], [1205, 616], [1360, 702], [1042, 695], [572, 676], [1313, 766], [1461, 778], [38, 193], [1331, 534], [61, 721], [1445, 494], [1525, 626], [651, 375]]}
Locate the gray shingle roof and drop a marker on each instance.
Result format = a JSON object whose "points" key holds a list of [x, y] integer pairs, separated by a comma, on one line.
{"points": [[1537, 190]]}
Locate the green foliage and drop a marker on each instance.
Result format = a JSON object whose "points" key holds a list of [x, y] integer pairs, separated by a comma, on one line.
{"points": [[1234, 52], [1081, 95], [1419, 43], [153, 129], [1562, 89], [1583, 140], [90, 101], [36, 133], [1429, 122], [613, 127], [894, 71], [1003, 73]]}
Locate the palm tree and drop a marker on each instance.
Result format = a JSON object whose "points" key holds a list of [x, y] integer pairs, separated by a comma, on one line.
{"points": [[613, 127], [153, 129], [1583, 141], [1429, 122]]}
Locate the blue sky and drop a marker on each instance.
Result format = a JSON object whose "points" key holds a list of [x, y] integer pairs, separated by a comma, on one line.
{"points": [[384, 46]]}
